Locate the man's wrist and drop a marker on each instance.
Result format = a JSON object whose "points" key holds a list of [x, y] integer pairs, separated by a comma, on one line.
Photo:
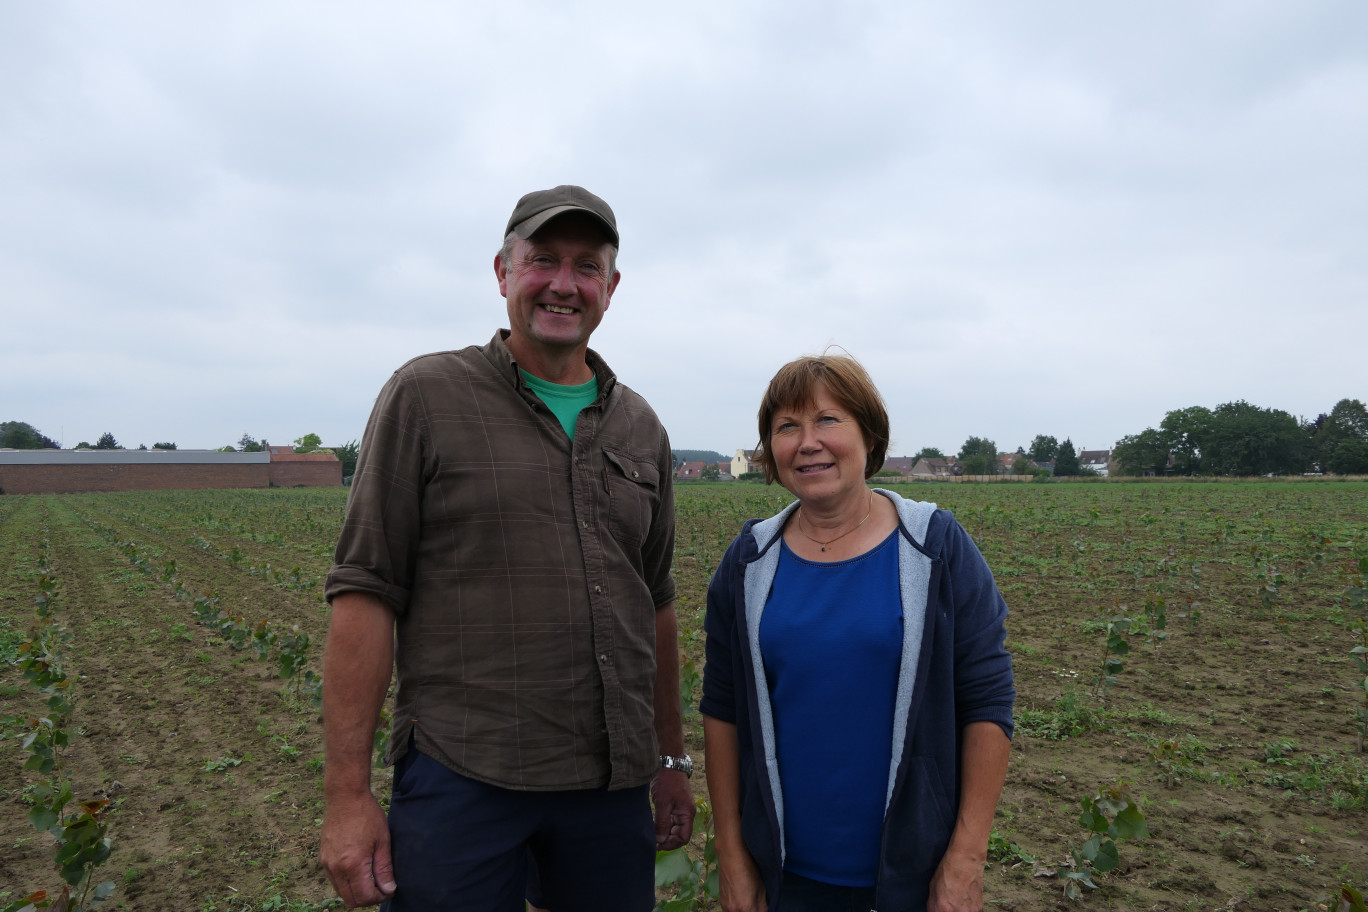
{"points": [[683, 764]]}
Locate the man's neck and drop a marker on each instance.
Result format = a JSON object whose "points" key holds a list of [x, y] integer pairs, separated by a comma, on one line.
{"points": [[568, 368]]}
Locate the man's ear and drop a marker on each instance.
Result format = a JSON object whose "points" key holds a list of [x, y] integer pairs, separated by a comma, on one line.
{"points": [[612, 287], [501, 270]]}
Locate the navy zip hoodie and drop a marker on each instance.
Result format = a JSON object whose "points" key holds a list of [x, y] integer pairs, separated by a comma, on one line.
{"points": [[955, 670]]}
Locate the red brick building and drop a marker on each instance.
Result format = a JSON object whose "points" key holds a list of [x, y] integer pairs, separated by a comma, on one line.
{"points": [[77, 471]]}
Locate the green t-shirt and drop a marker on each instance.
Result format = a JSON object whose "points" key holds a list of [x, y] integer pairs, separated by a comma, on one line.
{"points": [[564, 402]]}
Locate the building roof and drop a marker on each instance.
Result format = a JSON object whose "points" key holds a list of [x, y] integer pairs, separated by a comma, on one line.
{"points": [[129, 457]]}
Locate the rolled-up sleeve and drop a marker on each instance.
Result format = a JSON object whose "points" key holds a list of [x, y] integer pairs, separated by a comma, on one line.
{"points": [[377, 551], [657, 552]]}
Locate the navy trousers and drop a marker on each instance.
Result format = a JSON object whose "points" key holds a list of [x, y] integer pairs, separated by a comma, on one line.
{"points": [[465, 846]]}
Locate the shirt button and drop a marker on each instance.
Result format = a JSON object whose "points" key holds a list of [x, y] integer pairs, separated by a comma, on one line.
{"points": [[636, 474], [584, 523], [603, 659], [598, 588]]}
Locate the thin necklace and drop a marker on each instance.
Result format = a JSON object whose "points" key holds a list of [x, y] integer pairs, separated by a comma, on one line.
{"points": [[843, 534]]}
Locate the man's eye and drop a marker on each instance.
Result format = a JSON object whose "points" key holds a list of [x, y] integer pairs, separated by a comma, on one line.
{"points": [[543, 260]]}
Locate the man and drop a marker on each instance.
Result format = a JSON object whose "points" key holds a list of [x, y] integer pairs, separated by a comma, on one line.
{"points": [[508, 544]]}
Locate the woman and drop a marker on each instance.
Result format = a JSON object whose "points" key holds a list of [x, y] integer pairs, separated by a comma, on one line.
{"points": [[857, 696]]}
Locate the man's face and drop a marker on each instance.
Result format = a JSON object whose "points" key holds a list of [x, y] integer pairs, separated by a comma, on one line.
{"points": [[558, 285]]}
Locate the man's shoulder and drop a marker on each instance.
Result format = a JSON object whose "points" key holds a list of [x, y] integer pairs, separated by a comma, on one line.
{"points": [[631, 399], [439, 360], [643, 425]]}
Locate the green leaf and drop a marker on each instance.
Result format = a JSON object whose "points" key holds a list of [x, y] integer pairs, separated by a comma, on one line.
{"points": [[42, 818], [1106, 857], [1130, 824], [672, 867]]}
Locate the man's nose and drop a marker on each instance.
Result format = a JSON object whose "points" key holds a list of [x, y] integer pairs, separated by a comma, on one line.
{"points": [[563, 279]]}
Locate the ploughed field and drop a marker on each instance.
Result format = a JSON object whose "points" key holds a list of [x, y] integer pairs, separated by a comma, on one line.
{"points": [[196, 626]]}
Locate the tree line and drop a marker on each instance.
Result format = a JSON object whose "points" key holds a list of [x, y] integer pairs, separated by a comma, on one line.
{"points": [[1237, 438]]}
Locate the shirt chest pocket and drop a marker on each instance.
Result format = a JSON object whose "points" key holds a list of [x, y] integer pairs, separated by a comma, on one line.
{"points": [[633, 484]]}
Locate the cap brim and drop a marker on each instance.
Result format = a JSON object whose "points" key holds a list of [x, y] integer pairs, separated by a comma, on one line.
{"points": [[529, 226]]}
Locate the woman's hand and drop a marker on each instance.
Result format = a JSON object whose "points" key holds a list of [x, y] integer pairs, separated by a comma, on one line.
{"points": [[739, 885], [958, 883]]}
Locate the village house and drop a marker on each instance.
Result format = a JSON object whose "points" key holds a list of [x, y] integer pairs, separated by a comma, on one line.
{"points": [[1008, 462], [1097, 460], [690, 471], [897, 465], [744, 461], [937, 467]]}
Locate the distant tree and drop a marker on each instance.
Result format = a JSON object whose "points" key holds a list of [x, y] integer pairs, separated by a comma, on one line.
{"points": [[1066, 459], [1043, 448], [1349, 458], [142, 446], [1187, 433], [347, 454], [1023, 465], [751, 476], [225, 449], [1139, 453], [20, 435], [1247, 440], [107, 442], [308, 442], [1339, 441], [979, 456], [84, 445], [710, 472], [250, 444], [163, 446], [928, 453]]}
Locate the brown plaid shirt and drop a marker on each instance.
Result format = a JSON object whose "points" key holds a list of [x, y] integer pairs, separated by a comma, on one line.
{"points": [[524, 569]]}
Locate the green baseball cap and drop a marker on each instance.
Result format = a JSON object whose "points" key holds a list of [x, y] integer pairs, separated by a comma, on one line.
{"points": [[541, 206]]}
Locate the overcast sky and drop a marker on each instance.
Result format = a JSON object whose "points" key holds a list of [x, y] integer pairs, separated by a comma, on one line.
{"points": [[1023, 218]]}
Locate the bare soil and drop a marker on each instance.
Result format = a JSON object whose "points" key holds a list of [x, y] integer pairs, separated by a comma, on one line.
{"points": [[214, 766]]}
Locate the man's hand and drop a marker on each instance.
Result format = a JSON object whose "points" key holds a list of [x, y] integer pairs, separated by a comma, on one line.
{"points": [[355, 851], [674, 809], [958, 883]]}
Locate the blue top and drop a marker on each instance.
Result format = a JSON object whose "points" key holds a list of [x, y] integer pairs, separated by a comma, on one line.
{"points": [[832, 644]]}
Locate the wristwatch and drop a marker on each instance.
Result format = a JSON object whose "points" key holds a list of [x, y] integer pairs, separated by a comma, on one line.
{"points": [[684, 764]]}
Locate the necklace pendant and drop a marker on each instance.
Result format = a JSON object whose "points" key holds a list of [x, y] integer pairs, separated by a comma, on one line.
{"points": [[823, 547]]}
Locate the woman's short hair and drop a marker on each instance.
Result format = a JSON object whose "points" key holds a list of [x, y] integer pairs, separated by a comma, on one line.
{"points": [[795, 387]]}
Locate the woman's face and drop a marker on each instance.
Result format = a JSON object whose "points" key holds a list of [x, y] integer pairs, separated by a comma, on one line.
{"points": [[820, 451]]}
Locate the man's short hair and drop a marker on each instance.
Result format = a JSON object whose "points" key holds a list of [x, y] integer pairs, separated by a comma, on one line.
{"points": [[795, 387], [506, 253]]}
